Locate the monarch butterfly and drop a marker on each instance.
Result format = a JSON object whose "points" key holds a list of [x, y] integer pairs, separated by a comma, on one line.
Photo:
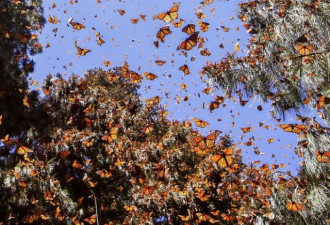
{"points": [[91, 220], [205, 52], [104, 173], [203, 197], [160, 62], [64, 154], [76, 165], [295, 128], [205, 142], [184, 218], [163, 31], [150, 76], [143, 17], [200, 15], [81, 51], [178, 24], [224, 160], [323, 156], [206, 2], [100, 41], [58, 214], [77, 26], [129, 208], [294, 206], [322, 101], [7, 140], [135, 77], [30, 218], [227, 217], [183, 86], [202, 217], [22, 150], [184, 68], [170, 15], [213, 105], [200, 123], [52, 20], [148, 129], [125, 71], [225, 29], [246, 129], [121, 11], [112, 136], [148, 190], [204, 26], [189, 43], [304, 49], [156, 44], [134, 21], [189, 29]]}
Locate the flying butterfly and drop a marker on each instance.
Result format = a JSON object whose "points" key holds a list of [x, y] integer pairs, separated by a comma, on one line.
{"points": [[81, 51], [205, 142], [189, 29], [189, 43], [170, 15], [163, 32], [200, 15], [200, 123], [184, 68], [135, 21], [121, 11], [150, 76], [160, 62], [77, 26], [52, 20], [204, 26], [178, 24], [224, 160]]}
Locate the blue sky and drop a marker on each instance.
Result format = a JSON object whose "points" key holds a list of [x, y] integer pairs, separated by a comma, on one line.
{"points": [[133, 43]]}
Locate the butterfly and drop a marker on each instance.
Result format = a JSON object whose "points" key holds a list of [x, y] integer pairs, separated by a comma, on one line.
{"points": [[52, 20], [200, 15], [64, 154], [81, 51], [30, 218], [206, 2], [91, 220], [125, 71], [76, 165], [227, 217], [161, 34], [129, 208], [150, 76], [170, 15], [184, 68], [322, 101], [134, 21], [148, 129], [189, 29], [323, 156], [304, 49], [200, 123], [112, 136], [100, 41], [178, 24], [205, 52], [204, 26], [104, 173], [202, 217], [121, 11], [294, 206], [295, 128], [224, 160], [246, 129], [205, 142], [7, 140], [148, 190], [184, 218], [189, 43], [77, 26], [135, 77], [22, 150], [160, 62]]}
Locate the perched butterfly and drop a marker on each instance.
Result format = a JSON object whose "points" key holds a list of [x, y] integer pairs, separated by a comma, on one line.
{"points": [[150, 76], [148, 129], [189, 43], [64, 154], [294, 206], [184, 218], [189, 29], [81, 51], [91, 220], [323, 156], [295, 128], [22, 150], [202, 217], [178, 24], [205, 142], [161, 34], [204, 26], [184, 68], [148, 190], [77, 26], [112, 136], [200, 123], [130, 207], [104, 173], [322, 101], [227, 217], [304, 49], [52, 20], [31, 218], [170, 15], [224, 160]]}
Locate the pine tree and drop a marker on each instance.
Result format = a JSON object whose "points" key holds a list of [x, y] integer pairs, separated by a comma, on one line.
{"points": [[288, 64]]}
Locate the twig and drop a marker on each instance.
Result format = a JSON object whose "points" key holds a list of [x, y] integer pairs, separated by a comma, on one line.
{"points": [[97, 216]]}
